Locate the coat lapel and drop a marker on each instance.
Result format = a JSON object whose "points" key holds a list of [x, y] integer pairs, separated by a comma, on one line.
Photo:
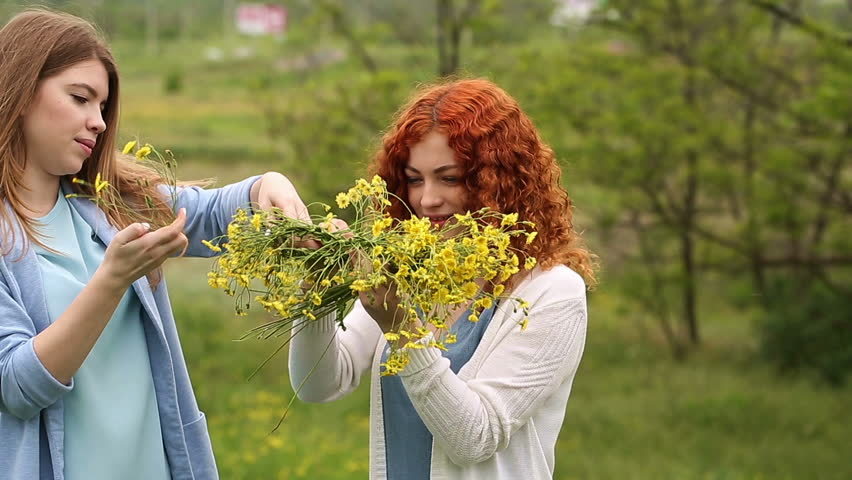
{"points": [[105, 231]]}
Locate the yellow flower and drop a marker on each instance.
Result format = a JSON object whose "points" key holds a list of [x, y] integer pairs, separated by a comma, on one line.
{"points": [[211, 246], [378, 228], [100, 184], [469, 289], [509, 220], [143, 152], [255, 222], [531, 237], [128, 147], [498, 290], [342, 200], [391, 336], [529, 264], [484, 302]]}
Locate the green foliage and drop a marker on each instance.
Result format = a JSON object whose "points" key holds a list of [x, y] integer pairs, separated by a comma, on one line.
{"points": [[172, 81], [809, 327]]}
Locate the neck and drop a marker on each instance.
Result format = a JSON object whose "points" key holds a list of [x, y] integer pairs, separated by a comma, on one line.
{"points": [[39, 192]]}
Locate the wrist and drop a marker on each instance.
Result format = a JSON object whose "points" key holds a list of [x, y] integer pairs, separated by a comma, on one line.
{"points": [[109, 283]]}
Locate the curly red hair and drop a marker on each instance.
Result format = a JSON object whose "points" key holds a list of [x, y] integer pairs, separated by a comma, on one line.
{"points": [[505, 164]]}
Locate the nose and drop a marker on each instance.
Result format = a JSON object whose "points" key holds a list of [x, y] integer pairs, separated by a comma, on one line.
{"points": [[96, 122], [432, 197]]}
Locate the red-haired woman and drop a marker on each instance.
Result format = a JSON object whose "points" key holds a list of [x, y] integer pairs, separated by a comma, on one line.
{"points": [[492, 406]]}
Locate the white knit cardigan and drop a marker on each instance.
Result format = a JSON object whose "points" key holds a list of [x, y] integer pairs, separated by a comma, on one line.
{"points": [[499, 418]]}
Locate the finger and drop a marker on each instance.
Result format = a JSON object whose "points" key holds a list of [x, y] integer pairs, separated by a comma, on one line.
{"points": [[302, 212], [339, 225], [180, 221], [130, 233], [263, 203], [293, 207], [170, 231], [185, 245], [307, 243], [161, 252]]}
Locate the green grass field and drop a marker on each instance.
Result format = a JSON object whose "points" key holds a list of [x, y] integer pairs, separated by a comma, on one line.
{"points": [[634, 413]]}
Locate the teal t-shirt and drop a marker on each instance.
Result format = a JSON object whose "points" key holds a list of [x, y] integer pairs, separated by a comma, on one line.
{"points": [[112, 424]]}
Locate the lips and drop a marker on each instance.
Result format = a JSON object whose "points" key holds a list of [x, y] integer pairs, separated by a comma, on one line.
{"points": [[438, 220], [86, 144]]}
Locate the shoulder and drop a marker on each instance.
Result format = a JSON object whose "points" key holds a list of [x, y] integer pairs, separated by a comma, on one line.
{"points": [[559, 281], [558, 288]]}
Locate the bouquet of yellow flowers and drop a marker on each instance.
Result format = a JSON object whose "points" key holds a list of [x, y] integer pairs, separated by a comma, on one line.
{"points": [[434, 270]]}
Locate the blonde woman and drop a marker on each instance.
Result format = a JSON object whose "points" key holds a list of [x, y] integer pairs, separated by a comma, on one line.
{"points": [[93, 383]]}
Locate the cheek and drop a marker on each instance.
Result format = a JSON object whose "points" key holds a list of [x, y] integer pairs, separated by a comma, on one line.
{"points": [[462, 196], [46, 116], [413, 197]]}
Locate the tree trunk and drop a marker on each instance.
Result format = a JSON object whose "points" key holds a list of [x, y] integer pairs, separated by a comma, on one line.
{"points": [[444, 22]]}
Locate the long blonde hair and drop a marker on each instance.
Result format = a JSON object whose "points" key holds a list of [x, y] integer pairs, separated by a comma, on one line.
{"points": [[38, 44]]}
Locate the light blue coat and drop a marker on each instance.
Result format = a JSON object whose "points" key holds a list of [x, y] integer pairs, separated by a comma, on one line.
{"points": [[29, 395]]}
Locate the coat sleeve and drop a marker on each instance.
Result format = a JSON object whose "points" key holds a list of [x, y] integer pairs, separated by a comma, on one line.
{"points": [[26, 387], [209, 211], [327, 362], [471, 420]]}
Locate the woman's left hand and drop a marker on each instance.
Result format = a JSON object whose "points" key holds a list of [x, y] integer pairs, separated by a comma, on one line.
{"points": [[383, 305], [276, 190]]}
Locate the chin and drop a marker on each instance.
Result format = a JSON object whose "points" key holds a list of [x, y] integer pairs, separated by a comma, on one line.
{"points": [[73, 168]]}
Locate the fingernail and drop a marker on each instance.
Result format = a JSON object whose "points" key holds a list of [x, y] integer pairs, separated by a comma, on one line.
{"points": [[146, 225], [183, 211]]}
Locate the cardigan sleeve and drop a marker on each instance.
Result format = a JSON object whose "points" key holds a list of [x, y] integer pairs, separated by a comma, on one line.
{"points": [[209, 211], [26, 386], [327, 362], [471, 420]]}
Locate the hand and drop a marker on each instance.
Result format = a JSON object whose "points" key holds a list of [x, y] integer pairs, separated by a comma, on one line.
{"points": [[135, 251], [383, 305], [335, 225], [275, 190]]}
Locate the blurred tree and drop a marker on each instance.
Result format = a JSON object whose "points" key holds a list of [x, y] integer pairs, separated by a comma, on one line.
{"points": [[719, 127]]}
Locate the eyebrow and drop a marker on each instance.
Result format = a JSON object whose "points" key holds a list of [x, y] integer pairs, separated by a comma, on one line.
{"points": [[88, 88], [440, 169]]}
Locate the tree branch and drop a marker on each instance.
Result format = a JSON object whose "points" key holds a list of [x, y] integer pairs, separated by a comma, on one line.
{"points": [[802, 23]]}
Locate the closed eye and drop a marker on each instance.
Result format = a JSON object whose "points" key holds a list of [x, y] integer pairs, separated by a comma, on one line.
{"points": [[80, 99], [413, 180]]}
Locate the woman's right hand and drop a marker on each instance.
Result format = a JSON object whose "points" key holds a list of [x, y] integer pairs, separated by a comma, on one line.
{"points": [[135, 251]]}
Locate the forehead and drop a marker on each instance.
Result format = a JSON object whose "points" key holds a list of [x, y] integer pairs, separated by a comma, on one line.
{"points": [[433, 151], [88, 72]]}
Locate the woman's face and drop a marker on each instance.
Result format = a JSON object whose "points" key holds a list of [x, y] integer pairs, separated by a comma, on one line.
{"points": [[434, 177], [64, 120]]}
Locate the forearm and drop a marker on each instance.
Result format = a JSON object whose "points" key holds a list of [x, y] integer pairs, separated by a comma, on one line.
{"points": [[326, 362], [64, 345]]}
